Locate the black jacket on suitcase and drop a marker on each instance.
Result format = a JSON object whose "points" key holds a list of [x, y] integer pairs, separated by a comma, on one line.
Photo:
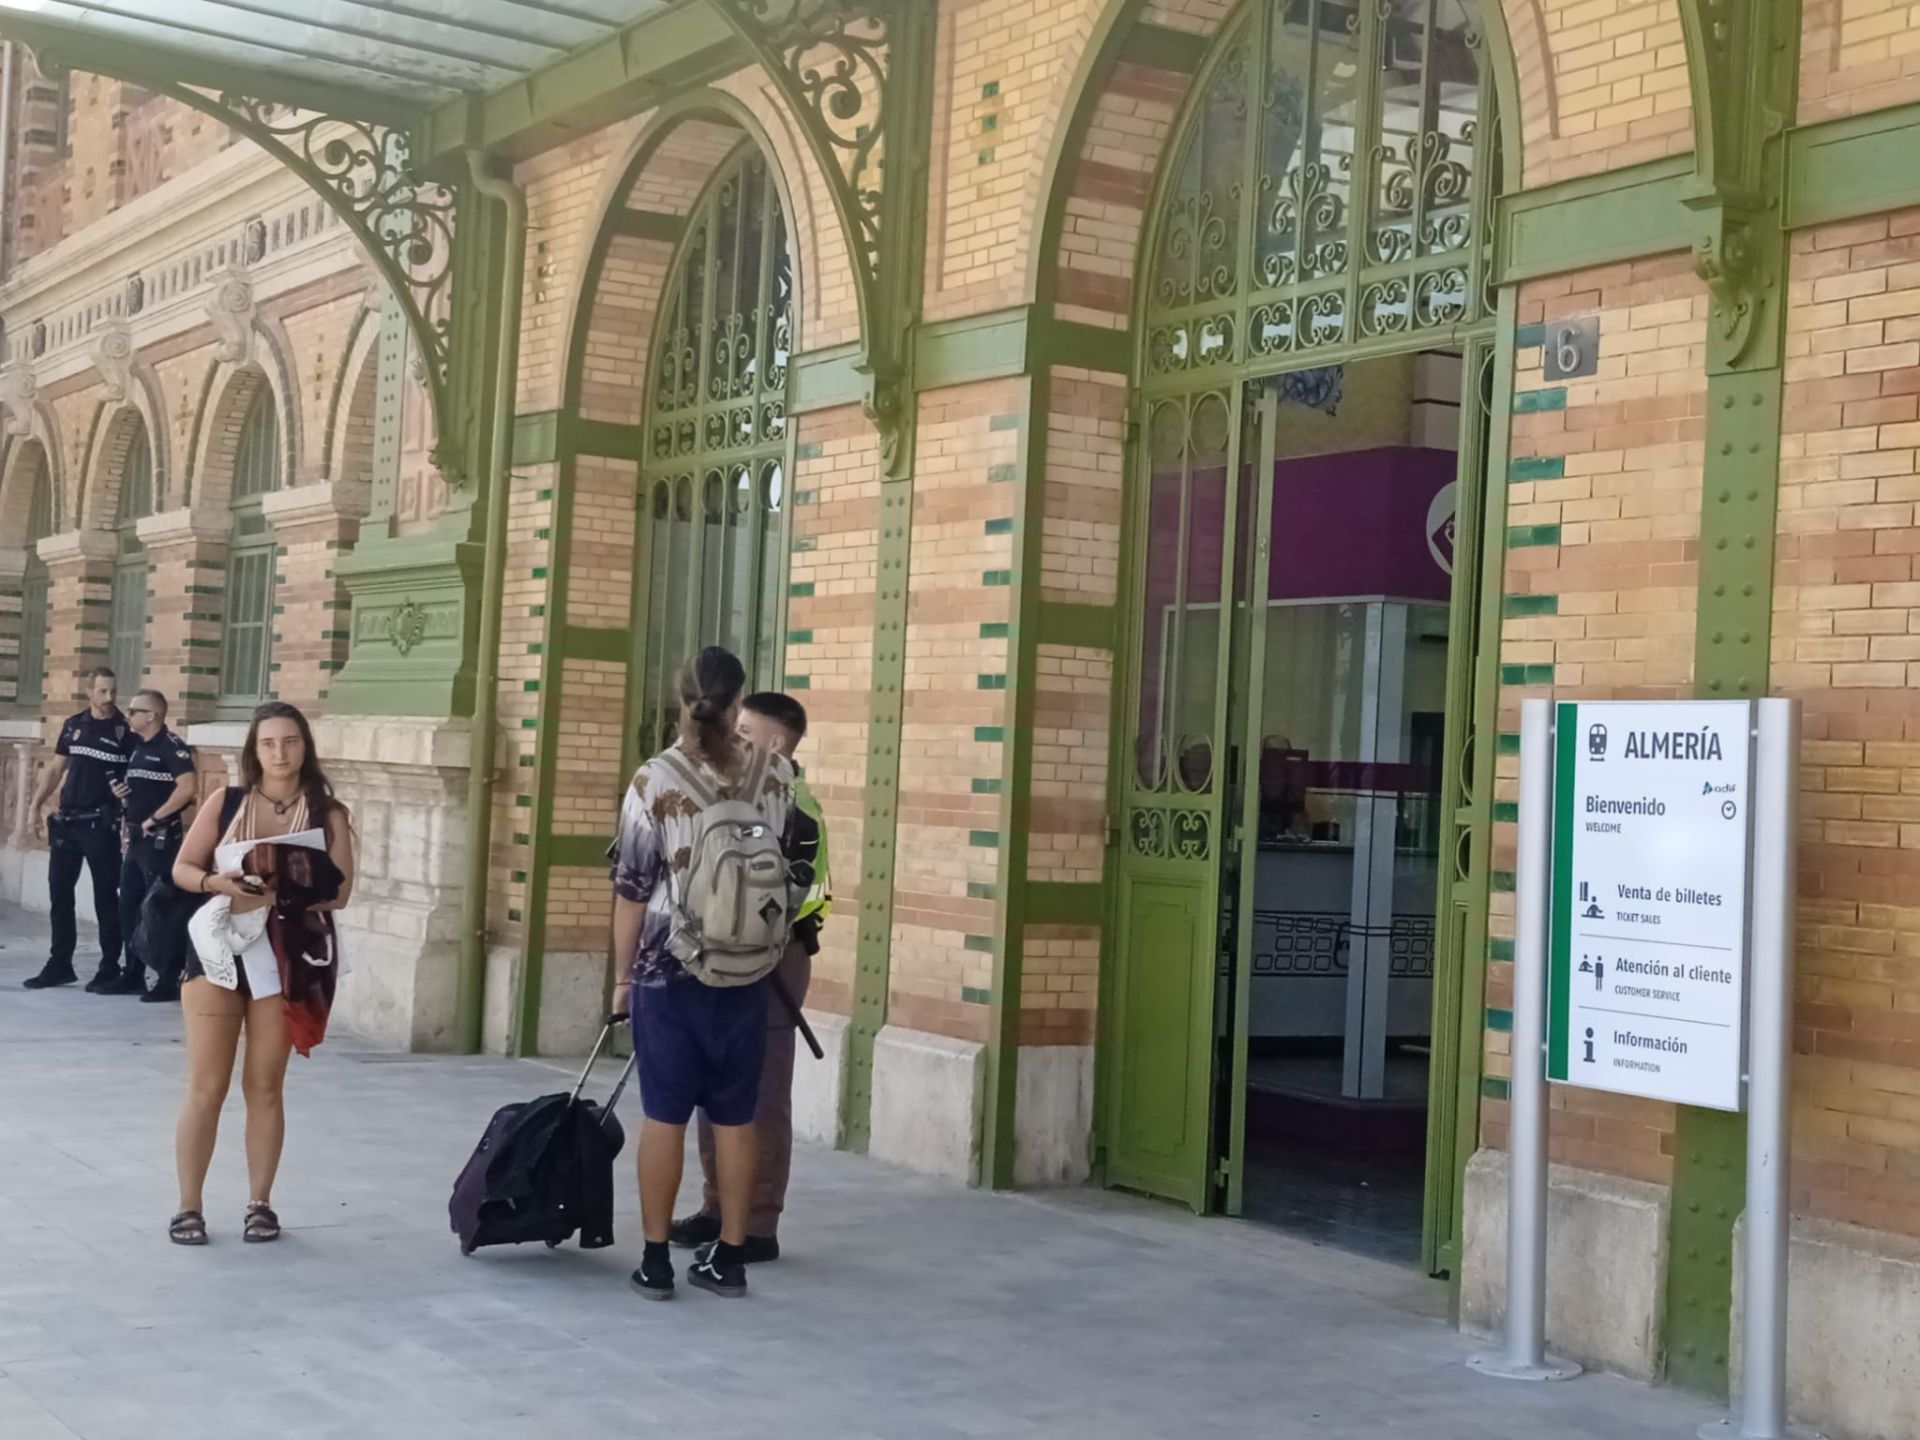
{"points": [[543, 1170]]}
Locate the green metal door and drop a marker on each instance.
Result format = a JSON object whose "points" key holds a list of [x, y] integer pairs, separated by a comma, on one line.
{"points": [[1160, 1122]]}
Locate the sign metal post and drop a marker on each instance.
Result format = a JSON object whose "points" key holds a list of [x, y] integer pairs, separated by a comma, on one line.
{"points": [[1763, 1380], [1523, 1356]]}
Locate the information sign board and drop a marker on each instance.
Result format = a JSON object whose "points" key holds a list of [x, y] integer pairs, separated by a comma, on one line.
{"points": [[1647, 964]]}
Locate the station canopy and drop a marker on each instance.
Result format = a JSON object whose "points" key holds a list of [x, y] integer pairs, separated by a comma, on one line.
{"points": [[393, 59]]}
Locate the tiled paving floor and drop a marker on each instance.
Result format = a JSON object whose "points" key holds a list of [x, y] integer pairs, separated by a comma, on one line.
{"points": [[907, 1310]]}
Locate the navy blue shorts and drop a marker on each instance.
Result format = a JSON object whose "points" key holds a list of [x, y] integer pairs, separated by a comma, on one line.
{"points": [[700, 1047]]}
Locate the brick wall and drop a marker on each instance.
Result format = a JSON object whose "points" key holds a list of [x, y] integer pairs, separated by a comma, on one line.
{"points": [[1108, 184], [1002, 72], [1846, 642], [1603, 84], [1081, 513], [959, 594], [35, 208], [830, 615], [1857, 55], [523, 632], [318, 336], [79, 603], [1601, 572], [564, 190]]}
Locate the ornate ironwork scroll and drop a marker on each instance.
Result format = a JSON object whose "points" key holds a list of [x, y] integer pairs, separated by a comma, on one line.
{"points": [[848, 69], [1743, 57], [365, 173], [1363, 127]]}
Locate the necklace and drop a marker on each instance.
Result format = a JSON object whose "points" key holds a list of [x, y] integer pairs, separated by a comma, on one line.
{"points": [[280, 807]]}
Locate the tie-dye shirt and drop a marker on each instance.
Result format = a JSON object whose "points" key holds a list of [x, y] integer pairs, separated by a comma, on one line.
{"points": [[655, 843]]}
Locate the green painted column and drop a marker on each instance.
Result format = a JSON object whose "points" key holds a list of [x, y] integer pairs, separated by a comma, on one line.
{"points": [[892, 326], [413, 624], [1744, 63]]}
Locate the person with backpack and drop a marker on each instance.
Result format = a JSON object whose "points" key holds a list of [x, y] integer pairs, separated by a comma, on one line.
{"points": [[779, 723], [703, 909]]}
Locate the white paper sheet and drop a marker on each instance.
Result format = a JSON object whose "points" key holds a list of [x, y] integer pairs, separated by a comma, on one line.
{"points": [[229, 857]]}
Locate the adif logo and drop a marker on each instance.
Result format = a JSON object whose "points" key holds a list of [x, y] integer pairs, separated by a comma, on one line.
{"points": [[1440, 522]]}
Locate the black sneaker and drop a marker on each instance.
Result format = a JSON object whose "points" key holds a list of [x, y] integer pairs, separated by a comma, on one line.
{"points": [[130, 982], [104, 978], [758, 1250], [723, 1276], [52, 975], [164, 992], [694, 1231], [654, 1279]]}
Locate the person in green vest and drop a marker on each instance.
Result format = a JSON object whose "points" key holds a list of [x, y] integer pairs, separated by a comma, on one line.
{"points": [[778, 723]]}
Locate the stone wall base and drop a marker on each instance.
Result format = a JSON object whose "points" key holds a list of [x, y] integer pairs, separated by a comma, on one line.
{"points": [[927, 1094], [818, 1084], [1053, 1115], [1606, 1264], [1853, 1330], [23, 879]]}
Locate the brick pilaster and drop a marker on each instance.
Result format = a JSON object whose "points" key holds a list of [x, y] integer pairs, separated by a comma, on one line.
{"points": [[312, 526], [187, 560], [79, 611]]}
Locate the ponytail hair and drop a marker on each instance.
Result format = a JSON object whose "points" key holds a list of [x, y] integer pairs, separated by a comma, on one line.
{"points": [[710, 685]]}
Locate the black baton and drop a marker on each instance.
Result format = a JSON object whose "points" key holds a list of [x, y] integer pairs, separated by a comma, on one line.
{"points": [[793, 1009]]}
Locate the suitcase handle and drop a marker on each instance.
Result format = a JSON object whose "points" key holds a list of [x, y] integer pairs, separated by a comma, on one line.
{"points": [[606, 1033]]}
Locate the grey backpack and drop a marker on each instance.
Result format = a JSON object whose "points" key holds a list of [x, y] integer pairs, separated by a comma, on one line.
{"points": [[733, 905]]}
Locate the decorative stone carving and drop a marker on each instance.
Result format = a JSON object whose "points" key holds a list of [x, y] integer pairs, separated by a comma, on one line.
{"points": [[256, 241], [16, 400], [886, 405], [113, 357], [406, 626], [231, 308]]}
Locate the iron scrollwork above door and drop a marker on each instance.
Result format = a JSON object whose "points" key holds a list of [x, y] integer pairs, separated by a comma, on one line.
{"points": [[1367, 129]]}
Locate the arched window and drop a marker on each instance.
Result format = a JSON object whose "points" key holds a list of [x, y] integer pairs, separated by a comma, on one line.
{"points": [[30, 681], [128, 646], [714, 483], [245, 662]]}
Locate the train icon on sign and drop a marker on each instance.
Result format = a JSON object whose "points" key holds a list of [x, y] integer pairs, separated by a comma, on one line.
{"points": [[1596, 742]]}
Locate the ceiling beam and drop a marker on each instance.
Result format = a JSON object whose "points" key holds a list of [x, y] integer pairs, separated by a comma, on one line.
{"points": [[672, 49]]}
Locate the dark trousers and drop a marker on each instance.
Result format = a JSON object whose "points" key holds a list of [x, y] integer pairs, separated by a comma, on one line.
{"points": [[773, 1119], [149, 863], [94, 843]]}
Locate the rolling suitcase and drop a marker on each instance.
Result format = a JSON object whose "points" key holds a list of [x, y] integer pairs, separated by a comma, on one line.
{"points": [[544, 1169]]}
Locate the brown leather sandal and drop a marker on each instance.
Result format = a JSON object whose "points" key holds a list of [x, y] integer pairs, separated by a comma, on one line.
{"points": [[189, 1227], [262, 1224]]}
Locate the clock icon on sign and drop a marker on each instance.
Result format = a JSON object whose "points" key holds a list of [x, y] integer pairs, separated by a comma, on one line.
{"points": [[1728, 809]]}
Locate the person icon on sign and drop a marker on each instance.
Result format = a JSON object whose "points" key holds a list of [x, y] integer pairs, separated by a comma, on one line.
{"points": [[1588, 1057]]}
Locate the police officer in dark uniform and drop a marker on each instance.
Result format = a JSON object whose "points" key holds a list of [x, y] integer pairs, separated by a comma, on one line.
{"points": [[160, 785], [89, 760]]}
